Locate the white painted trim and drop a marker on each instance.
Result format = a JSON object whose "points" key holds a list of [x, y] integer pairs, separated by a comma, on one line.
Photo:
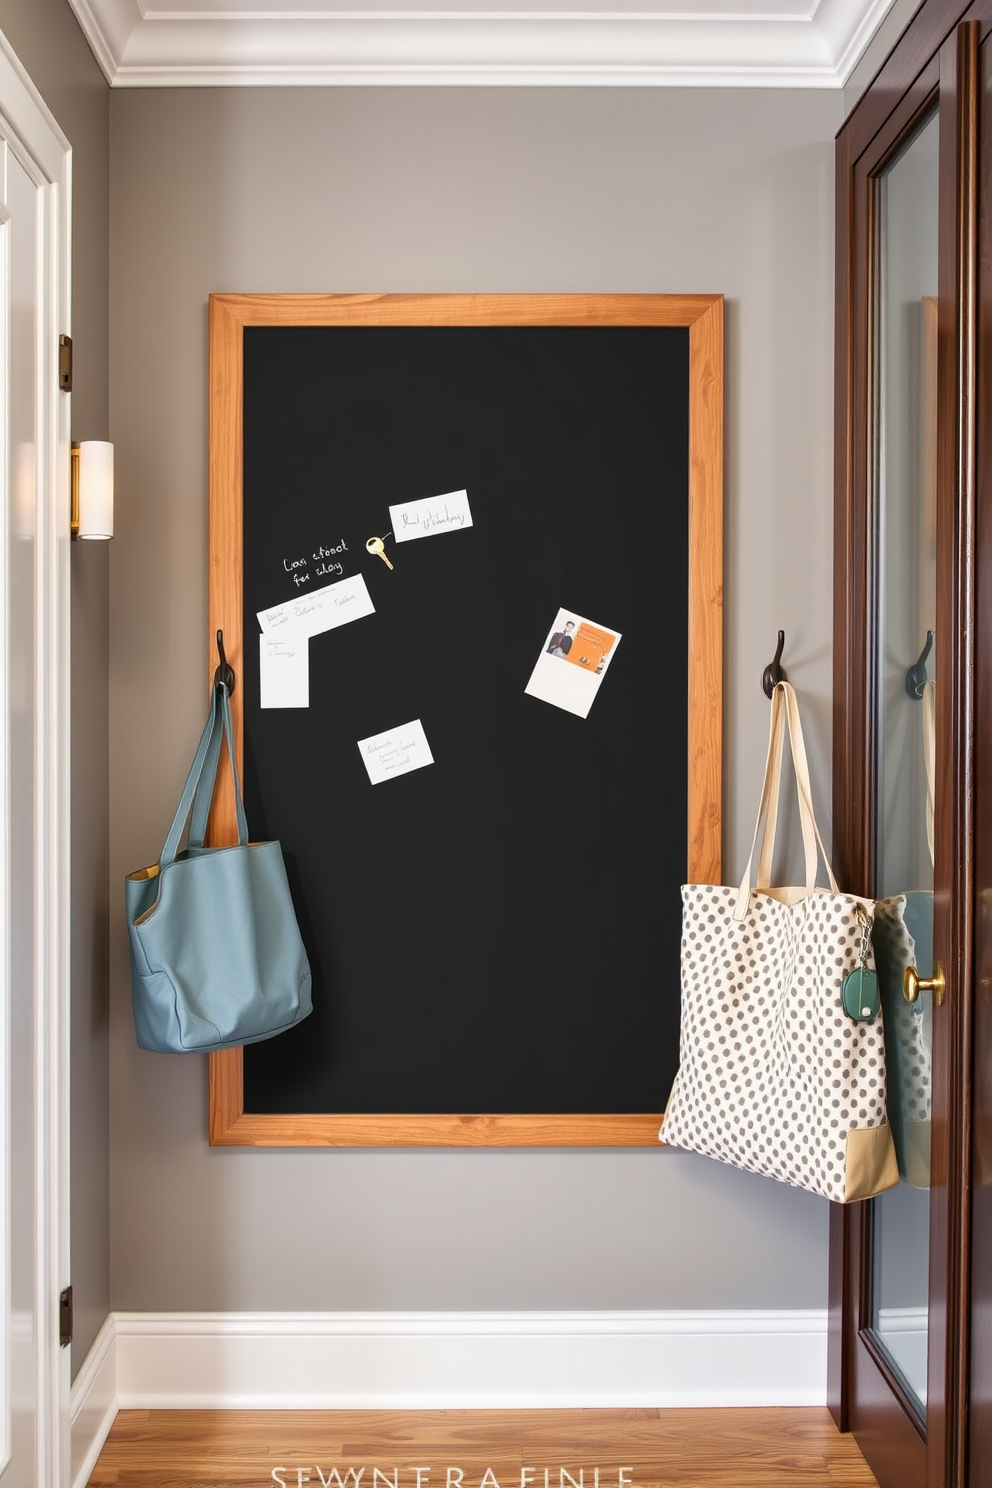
{"points": [[847, 33], [6, 1147], [451, 1361], [28, 115], [53, 809], [815, 47], [107, 24], [93, 1403], [44, 153], [447, 1361]]}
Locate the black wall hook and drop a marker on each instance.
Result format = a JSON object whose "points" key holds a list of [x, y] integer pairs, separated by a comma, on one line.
{"points": [[916, 677], [225, 671], [773, 672]]}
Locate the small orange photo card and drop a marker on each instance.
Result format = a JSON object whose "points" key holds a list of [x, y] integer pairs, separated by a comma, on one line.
{"points": [[587, 649]]}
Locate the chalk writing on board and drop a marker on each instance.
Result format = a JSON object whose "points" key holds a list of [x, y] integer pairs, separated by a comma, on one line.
{"points": [[323, 558], [293, 566]]}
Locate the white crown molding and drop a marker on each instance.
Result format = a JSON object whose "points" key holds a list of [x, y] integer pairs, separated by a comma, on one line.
{"points": [[108, 26], [847, 28], [813, 47]]}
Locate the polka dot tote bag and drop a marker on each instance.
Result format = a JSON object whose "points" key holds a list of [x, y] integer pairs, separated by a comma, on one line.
{"points": [[782, 1055]]}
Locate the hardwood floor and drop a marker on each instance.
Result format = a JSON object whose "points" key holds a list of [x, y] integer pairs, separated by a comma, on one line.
{"points": [[794, 1448]]}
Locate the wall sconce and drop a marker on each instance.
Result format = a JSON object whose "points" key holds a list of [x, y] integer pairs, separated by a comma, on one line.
{"points": [[92, 490]]}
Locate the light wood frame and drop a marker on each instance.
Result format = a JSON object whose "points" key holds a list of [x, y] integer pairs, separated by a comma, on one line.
{"points": [[230, 1124]]}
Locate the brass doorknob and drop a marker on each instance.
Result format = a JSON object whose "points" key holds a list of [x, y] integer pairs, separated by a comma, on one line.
{"points": [[913, 984]]}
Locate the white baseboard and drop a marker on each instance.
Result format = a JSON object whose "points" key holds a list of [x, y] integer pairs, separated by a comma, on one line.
{"points": [[421, 1361], [93, 1403]]}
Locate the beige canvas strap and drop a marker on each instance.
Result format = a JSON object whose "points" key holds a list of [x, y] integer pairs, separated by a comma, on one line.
{"points": [[785, 717], [771, 792]]}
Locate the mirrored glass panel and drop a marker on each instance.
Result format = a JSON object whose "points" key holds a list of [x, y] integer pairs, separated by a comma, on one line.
{"points": [[908, 675]]}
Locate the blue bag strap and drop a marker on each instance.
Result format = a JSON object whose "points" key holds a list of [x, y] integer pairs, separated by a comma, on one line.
{"points": [[204, 792], [207, 752], [239, 805]]}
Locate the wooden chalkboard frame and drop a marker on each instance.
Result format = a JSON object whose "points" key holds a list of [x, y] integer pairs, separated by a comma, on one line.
{"points": [[230, 1124]]}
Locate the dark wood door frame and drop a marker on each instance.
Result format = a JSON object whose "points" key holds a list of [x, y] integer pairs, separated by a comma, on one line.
{"points": [[936, 63], [980, 1391]]}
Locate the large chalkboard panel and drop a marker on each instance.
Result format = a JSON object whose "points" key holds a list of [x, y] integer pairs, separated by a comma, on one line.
{"points": [[494, 938]]}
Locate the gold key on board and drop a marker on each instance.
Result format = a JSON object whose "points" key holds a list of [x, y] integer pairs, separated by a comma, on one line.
{"points": [[377, 546]]}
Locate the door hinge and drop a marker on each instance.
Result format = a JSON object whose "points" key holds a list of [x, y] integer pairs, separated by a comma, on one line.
{"points": [[65, 1317], [65, 363]]}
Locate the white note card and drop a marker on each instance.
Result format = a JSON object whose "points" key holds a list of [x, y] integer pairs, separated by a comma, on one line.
{"points": [[430, 516], [322, 609], [395, 752], [284, 671]]}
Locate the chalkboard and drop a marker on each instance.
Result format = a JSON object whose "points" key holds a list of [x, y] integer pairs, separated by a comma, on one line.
{"points": [[494, 935]]}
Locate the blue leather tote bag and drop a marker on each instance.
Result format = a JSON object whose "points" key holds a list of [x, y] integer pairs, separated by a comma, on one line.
{"points": [[217, 959]]}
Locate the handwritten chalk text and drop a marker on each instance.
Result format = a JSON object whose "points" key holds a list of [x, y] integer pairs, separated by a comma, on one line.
{"points": [[300, 567]]}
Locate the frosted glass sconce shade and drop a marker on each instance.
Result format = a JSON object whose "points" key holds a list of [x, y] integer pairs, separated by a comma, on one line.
{"points": [[93, 490]]}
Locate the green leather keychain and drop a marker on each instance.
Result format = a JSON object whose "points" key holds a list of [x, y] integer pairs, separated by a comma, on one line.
{"points": [[859, 990]]}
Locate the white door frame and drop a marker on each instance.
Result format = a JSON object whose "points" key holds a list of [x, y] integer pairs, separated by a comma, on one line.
{"points": [[44, 152]]}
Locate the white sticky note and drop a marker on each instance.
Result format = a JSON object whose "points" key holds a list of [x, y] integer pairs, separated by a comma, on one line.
{"points": [[284, 671], [395, 752], [312, 613], [572, 663], [428, 517]]}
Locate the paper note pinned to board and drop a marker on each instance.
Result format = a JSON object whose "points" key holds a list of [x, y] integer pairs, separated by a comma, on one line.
{"points": [[284, 671], [572, 663], [319, 610], [395, 752], [430, 516]]}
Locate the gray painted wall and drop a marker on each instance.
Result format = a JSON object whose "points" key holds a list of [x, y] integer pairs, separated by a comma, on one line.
{"points": [[429, 190], [49, 43]]}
